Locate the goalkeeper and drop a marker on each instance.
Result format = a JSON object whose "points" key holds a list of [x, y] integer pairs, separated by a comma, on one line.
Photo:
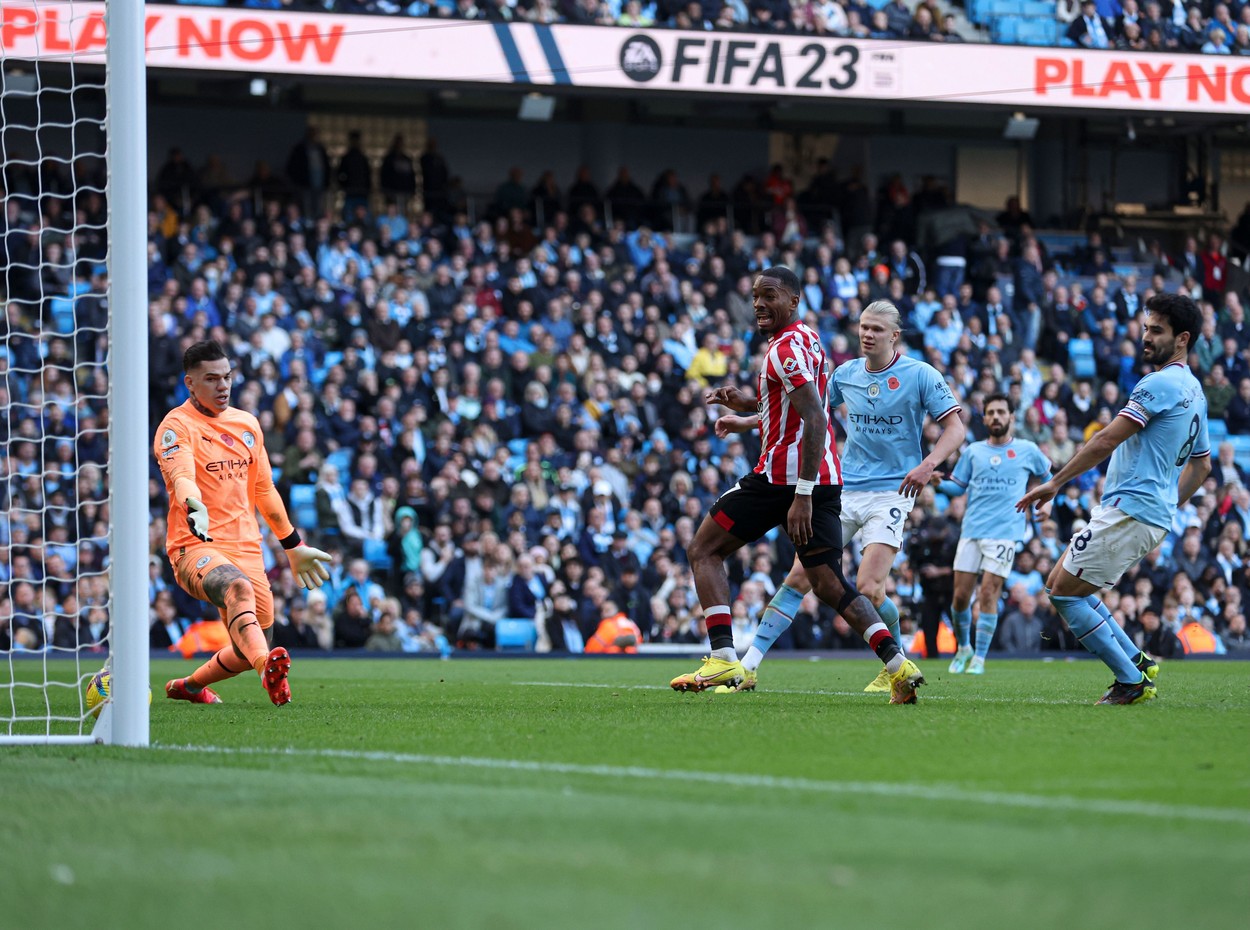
{"points": [[217, 474]]}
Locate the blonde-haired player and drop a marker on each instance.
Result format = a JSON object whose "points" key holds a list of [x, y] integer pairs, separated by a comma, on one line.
{"points": [[217, 474]]}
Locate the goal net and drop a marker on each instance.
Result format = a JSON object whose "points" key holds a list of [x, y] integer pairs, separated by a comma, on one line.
{"points": [[72, 580]]}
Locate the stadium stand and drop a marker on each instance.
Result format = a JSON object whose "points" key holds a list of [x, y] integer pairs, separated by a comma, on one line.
{"points": [[495, 420], [1156, 25]]}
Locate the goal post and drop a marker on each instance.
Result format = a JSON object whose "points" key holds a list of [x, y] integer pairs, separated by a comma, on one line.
{"points": [[74, 444], [127, 134]]}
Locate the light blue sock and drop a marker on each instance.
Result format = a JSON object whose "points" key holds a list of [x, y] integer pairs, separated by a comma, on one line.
{"points": [[1125, 641], [778, 616], [986, 625], [963, 626], [889, 616], [1091, 630]]}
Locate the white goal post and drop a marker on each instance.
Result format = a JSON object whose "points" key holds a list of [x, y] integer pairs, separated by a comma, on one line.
{"points": [[50, 644]]}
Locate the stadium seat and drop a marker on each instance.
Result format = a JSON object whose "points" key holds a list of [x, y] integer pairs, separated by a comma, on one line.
{"points": [[304, 505], [1038, 31], [515, 634], [62, 315], [1081, 357], [1004, 8], [1061, 243], [1005, 30], [1217, 429], [319, 375], [342, 460], [377, 554], [1241, 444]]}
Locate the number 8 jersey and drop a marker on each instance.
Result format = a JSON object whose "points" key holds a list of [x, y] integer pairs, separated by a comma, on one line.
{"points": [[1145, 469]]}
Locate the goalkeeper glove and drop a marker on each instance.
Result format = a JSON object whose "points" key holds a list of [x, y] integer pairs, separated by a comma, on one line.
{"points": [[309, 565], [197, 520]]}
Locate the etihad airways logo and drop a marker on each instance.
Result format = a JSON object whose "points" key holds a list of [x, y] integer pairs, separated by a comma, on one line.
{"points": [[871, 419], [226, 468]]}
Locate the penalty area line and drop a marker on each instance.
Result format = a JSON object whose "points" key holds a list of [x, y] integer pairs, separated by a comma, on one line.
{"points": [[1103, 806]]}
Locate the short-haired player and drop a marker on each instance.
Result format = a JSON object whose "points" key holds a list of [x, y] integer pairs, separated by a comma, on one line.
{"points": [[994, 473]]}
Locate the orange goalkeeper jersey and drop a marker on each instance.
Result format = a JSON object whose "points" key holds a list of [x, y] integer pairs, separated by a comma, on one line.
{"points": [[225, 458]]}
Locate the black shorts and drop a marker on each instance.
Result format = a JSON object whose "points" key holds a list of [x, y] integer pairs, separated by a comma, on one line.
{"points": [[754, 506]]}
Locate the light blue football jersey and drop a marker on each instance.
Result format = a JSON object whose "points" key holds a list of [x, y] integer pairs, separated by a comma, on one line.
{"points": [[995, 477], [885, 416], [1146, 468]]}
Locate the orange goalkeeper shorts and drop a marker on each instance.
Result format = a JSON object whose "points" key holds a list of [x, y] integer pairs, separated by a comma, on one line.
{"points": [[193, 563]]}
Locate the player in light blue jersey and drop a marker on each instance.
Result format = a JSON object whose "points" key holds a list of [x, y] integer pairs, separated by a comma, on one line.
{"points": [[887, 397], [1160, 454], [993, 473]]}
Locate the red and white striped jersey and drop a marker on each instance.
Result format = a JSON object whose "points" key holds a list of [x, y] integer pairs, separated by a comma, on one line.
{"points": [[794, 358]]}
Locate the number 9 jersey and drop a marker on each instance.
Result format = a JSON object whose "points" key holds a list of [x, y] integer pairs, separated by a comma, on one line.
{"points": [[1146, 468]]}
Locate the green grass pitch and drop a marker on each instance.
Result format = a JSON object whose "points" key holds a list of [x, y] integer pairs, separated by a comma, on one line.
{"points": [[585, 794]]}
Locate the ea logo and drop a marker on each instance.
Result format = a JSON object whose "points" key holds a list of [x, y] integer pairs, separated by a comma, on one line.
{"points": [[248, 439], [640, 58], [874, 389], [996, 460]]}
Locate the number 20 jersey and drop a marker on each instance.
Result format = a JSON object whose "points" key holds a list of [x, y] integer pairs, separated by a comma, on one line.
{"points": [[1145, 469]]}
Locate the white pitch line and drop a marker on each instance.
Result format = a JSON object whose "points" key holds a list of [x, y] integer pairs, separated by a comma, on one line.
{"points": [[768, 782], [924, 695]]}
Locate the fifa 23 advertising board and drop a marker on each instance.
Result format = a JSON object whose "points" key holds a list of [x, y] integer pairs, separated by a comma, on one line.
{"points": [[638, 60]]}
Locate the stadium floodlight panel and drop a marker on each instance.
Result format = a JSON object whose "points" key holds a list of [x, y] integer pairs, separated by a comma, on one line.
{"points": [[1021, 127], [537, 107]]}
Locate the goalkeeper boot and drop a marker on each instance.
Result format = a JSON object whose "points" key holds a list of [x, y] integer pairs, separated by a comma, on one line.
{"points": [[881, 682], [177, 690], [904, 682], [960, 662], [1148, 666], [1120, 693], [747, 684], [976, 666], [711, 673], [274, 676]]}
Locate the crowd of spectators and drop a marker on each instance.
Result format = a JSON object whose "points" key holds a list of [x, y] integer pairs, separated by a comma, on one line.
{"points": [[1210, 28], [504, 419], [893, 19], [1200, 26]]}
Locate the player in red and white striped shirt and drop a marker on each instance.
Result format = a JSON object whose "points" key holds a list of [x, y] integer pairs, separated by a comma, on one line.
{"points": [[795, 357], [796, 483]]}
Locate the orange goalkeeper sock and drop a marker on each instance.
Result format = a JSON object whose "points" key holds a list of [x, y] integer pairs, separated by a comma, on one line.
{"points": [[244, 627], [220, 667]]}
